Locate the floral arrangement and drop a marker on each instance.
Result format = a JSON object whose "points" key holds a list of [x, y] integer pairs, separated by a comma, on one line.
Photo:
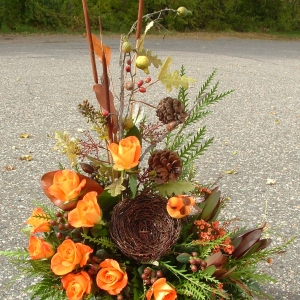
{"points": [[129, 219]]}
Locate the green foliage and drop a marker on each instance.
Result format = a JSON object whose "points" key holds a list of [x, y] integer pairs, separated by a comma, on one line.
{"points": [[199, 284], [119, 15], [175, 188], [48, 288], [190, 145], [103, 242]]}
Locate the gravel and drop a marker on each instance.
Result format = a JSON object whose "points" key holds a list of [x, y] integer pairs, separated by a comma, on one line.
{"points": [[256, 131]]}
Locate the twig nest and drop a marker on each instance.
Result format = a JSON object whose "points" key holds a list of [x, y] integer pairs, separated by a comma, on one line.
{"points": [[143, 229]]}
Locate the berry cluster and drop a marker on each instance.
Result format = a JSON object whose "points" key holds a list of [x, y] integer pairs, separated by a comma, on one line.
{"points": [[197, 263], [129, 85], [149, 275], [61, 225], [209, 232]]}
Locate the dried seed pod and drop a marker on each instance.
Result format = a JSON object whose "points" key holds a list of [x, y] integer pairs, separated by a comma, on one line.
{"points": [[166, 164], [169, 110]]}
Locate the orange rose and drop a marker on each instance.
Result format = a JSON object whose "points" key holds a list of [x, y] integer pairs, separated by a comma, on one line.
{"points": [[111, 277], [87, 213], [161, 291], [69, 255], [126, 154], [66, 185], [39, 249], [180, 206], [39, 221], [76, 285]]}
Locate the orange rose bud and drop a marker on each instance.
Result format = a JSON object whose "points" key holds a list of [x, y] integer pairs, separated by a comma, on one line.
{"points": [[180, 206], [77, 285], [66, 185], [161, 290], [111, 277], [68, 256], [39, 249], [87, 212], [126, 154], [39, 221]]}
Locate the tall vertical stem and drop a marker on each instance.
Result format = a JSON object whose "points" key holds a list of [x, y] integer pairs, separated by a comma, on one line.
{"points": [[89, 38], [140, 18]]}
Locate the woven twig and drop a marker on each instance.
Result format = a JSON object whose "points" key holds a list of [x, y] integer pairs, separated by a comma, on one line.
{"points": [[143, 229]]}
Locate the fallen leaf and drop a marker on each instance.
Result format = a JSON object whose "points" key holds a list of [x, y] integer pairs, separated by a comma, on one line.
{"points": [[271, 181], [10, 168], [232, 171], [234, 152], [276, 121], [26, 157], [24, 135], [272, 113]]}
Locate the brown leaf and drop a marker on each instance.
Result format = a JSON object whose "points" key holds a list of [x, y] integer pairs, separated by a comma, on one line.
{"points": [[24, 135], [98, 49], [91, 186], [99, 90]]}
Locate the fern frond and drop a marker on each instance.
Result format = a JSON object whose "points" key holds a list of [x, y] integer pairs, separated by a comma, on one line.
{"points": [[49, 287], [18, 254], [206, 84], [194, 147], [197, 281], [104, 242]]}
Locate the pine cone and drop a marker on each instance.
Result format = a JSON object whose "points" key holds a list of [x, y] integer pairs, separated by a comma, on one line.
{"points": [[166, 164], [170, 109]]}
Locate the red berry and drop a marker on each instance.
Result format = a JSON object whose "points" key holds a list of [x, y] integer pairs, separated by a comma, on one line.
{"points": [[105, 113], [144, 276], [148, 79], [203, 264], [147, 271], [192, 261], [142, 90], [66, 215], [53, 222], [159, 274], [58, 214], [61, 226], [198, 261], [120, 297], [153, 279], [128, 62], [194, 254], [59, 235], [140, 83], [127, 68], [67, 237], [194, 268], [95, 259]]}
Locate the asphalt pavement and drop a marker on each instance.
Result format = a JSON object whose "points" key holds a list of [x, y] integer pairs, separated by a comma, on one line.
{"points": [[256, 149]]}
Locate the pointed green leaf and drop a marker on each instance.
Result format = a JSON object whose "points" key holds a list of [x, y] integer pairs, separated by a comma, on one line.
{"points": [[105, 200], [132, 185], [134, 131], [183, 258], [211, 204], [175, 188], [209, 270]]}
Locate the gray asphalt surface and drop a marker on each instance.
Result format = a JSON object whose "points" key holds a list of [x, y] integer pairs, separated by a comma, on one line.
{"points": [[256, 131]]}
